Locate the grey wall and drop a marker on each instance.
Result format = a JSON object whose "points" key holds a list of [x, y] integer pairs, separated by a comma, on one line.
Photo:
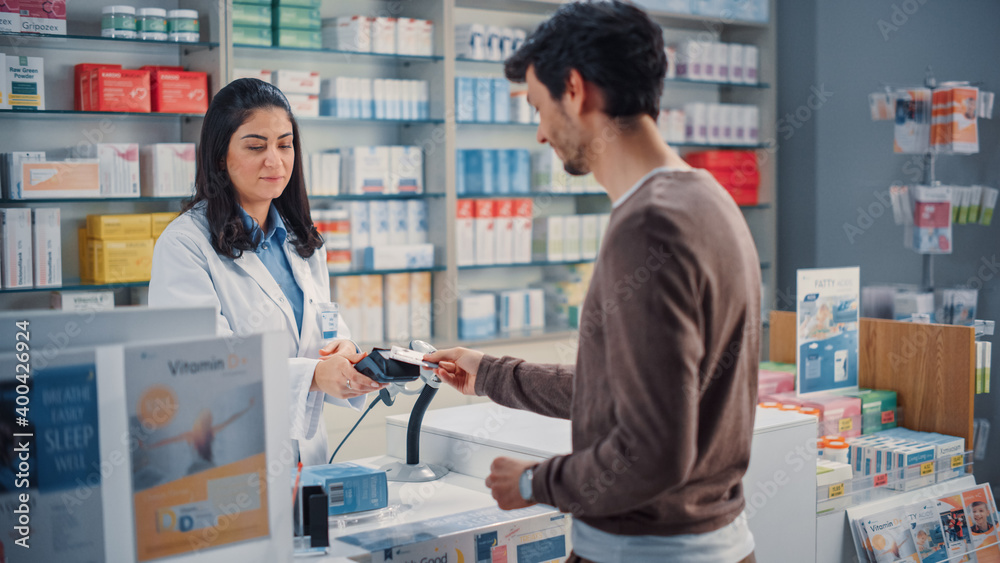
{"points": [[839, 160]]}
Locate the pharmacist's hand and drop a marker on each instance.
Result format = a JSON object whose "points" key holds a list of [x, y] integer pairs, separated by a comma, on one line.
{"points": [[337, 377], [342, 347], [505, 482], [457, 367]]}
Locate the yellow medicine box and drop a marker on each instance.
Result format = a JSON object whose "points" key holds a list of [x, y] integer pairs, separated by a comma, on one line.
{"points": [[86, 262], [160, 222], [120, 227], [118, 261]]}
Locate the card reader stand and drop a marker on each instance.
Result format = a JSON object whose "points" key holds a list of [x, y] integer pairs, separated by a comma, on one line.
{"points": [[413, 471]]}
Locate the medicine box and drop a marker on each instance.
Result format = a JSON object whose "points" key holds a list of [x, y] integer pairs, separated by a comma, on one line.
{"points": [[477, 316], [485, 225], [43, 16], [348, 33], [122, 260], [417, 231], [470, 41], [251, 14], [365, 169], [120, 90], [465, 232], [465, 99], [504, 231], [295, 17], [303, 105], [954, 120], [119, 169], [588, 236], [15, 234], [512, 310], [177, 91], [399, 257], [10, 18], [548, 238], [522, 231], [47, 244], [520, 171], [81, 301], [120, 227], [159, 222], [484, 100], [398, 232], [878, 409], [297, 38], [77, 179], [501, 100], [378, 217], [81, 84], [501, 171], [167, 169], [256, 36], [571, 246], [406, 170], [296, 81], [384, 35], [258, 73], [350, 487], [25, 82]]}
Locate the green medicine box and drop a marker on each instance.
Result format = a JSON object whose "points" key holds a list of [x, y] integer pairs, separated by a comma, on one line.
{"points": [[252, 35], [298, 38], [878, 409], [293, 17], [252, 15]]}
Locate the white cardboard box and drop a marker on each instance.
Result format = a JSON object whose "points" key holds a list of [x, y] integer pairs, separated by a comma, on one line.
{"points": [[83, 300], [504, 229], [470, 41], [416, 222], [399, 257], [485, 221], [465, 232], [406, 170], [15, 228], [10, 19], [522, 231], [378, 216], [296, 81], [588, 236], [548, 238], [47, 243], [28, 75], [371, 309], [398, 218], [361, 231], [365, 169], [119, 168], [571, 234], [167, 169], [384, 35]]}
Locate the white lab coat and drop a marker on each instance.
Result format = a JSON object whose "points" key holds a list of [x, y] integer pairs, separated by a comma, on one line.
{"points": [[187, 272]]}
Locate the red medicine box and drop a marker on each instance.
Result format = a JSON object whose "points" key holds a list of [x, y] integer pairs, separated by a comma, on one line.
{"points": [[737, 171], [120, 90], [178, 91], [81, 84]]}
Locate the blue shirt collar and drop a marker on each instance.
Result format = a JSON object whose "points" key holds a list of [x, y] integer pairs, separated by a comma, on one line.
{"points": [[276, 231]]}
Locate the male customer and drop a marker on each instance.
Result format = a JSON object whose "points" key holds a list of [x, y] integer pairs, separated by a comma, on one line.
{"points": [[662, 396]]}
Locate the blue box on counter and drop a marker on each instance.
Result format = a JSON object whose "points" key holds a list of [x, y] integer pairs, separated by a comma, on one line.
{"points": [[350, 487]]}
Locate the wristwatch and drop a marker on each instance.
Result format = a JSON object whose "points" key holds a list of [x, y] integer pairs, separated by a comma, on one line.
{"points": [[524, 485]]}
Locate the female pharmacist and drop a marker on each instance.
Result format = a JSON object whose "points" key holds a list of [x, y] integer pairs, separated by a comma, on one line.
{"points": [[245, 244]]}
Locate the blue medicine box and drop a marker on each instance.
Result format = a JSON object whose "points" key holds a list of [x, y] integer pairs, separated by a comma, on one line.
{"points": [[484, 100], [350, 487], [501, 100], [465, 99], [473, 172], [501, 172], [489, 171], [520, 171], [460, 172]]}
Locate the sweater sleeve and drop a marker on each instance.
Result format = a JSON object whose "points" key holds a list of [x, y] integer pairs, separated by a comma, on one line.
{"points": [[546, 389], [653, 351]]}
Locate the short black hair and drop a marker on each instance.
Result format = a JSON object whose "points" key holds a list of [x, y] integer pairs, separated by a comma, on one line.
{"points": [[611, 44], [230, 109]]}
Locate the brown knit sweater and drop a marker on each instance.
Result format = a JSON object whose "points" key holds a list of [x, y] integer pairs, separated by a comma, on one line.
{"points": [[662, 397]]}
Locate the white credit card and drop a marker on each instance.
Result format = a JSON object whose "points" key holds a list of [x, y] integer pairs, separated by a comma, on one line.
{"points": [[408, 356]]}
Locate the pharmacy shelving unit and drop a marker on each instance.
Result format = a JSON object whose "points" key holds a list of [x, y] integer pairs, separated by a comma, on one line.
{"points": [[59, 128]]}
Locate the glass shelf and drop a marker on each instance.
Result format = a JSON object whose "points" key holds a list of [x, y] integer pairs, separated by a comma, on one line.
{"points": [[361, 121], [758, 85], [530, 195], [717, 146], [529, 264], [91, 42], [375, 197], [525, 335], [514, 124], [101, 200], [346, 54], [549, 6], [62, 113], [362, 272], [76, 284]]}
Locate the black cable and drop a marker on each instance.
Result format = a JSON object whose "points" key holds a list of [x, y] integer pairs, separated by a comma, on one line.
{"points": [[349, 432]]}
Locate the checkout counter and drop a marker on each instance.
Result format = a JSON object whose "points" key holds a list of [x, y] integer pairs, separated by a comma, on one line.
{"points": [[455, 518]]}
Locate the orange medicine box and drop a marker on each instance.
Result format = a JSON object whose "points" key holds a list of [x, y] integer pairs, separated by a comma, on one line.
{"points": [[120, 90], [178, 91]]}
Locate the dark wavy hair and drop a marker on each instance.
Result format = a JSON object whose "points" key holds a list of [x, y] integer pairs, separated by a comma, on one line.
{"points": [[230, 109], [611, 44]]}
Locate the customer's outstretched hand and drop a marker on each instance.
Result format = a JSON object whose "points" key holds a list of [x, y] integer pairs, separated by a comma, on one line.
{"points": [[457, 367]]}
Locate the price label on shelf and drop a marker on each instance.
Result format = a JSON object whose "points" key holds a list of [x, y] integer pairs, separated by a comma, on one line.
{"points": [[836, 490], [881, 480], [845, 425], [888, 417], [957, 461], [926, 468]]}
